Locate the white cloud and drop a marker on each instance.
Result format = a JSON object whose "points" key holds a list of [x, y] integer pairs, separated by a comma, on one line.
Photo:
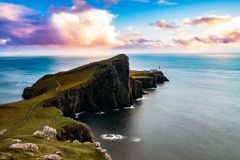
{"points": [[4, 41], [166, 2], [89, 28]]}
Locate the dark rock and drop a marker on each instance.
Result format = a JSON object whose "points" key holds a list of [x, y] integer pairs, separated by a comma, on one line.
{"points": [[78, 132], [108, 89], [36, 89], [149, 82], [136, 89]]}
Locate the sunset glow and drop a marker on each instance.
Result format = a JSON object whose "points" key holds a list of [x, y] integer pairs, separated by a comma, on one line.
{"points": [[152, 26]]}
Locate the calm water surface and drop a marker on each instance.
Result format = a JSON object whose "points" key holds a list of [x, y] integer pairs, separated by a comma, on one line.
{"points": [[196, 116]]}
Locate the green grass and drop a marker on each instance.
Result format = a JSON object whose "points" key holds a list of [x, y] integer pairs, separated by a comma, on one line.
{"points": [[141, 77], [13, 114], [144, 74], [69, 151], [67, 80]]}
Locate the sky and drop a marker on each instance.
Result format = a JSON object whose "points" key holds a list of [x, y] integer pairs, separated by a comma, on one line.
{"points": [[30, 27]]}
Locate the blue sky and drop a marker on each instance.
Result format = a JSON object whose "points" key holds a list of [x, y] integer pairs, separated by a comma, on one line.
{"points": [[128, 7], [159, 25]]}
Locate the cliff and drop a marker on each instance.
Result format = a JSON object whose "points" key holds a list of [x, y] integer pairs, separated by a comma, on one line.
{"points": [[98, 86], [149, 79]]}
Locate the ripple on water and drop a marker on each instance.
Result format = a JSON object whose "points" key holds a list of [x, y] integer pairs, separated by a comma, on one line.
{"points": [[136, 139], [100, 113], [112, 137], [131, 107]]}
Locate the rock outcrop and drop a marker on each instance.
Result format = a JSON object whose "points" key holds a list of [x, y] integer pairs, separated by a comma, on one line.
{"points": [[75, 132], [30, 147], [47, 132], [51, 157], [149, 79], [107, 85], [2, 132]]}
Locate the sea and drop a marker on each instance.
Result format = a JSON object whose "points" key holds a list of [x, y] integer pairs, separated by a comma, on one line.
{"points": [[194, 116]]}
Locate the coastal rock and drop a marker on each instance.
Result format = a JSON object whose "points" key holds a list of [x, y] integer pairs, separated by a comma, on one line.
{"points": [[136, 89], [148, 82], [47, 132], [30, 147], [102, 150], [36, 90], [107, 156], [51, 157], [76, 142], [97, 144], [149, 79], [79, 132]]}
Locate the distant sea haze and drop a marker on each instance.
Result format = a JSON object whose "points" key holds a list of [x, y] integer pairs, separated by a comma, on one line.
{"points": [[195, 116]]}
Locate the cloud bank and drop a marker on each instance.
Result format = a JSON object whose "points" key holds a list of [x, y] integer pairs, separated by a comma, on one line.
{"points": [[84, 26], [202, 31], [80, 25]]}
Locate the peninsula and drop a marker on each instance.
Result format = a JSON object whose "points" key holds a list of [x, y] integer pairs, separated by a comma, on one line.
{"points": [[52, 102]]}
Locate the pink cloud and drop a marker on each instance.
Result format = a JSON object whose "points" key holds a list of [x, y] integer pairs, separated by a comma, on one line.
{"points": [[229, 37], [209, 20], [79, 25], [12, 12], [162, 24], [182, 42]]}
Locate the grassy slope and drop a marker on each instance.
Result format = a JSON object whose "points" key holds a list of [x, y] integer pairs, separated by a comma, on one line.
{"points": [[72, 78], [145, 73], [13, 114]]}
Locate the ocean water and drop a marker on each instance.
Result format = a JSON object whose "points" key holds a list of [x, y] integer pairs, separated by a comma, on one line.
{"points": [[195, 116]]}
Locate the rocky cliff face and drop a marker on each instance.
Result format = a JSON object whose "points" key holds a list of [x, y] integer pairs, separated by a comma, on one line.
{"points": [[108, 87], [149, 79], [75, 132]]}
